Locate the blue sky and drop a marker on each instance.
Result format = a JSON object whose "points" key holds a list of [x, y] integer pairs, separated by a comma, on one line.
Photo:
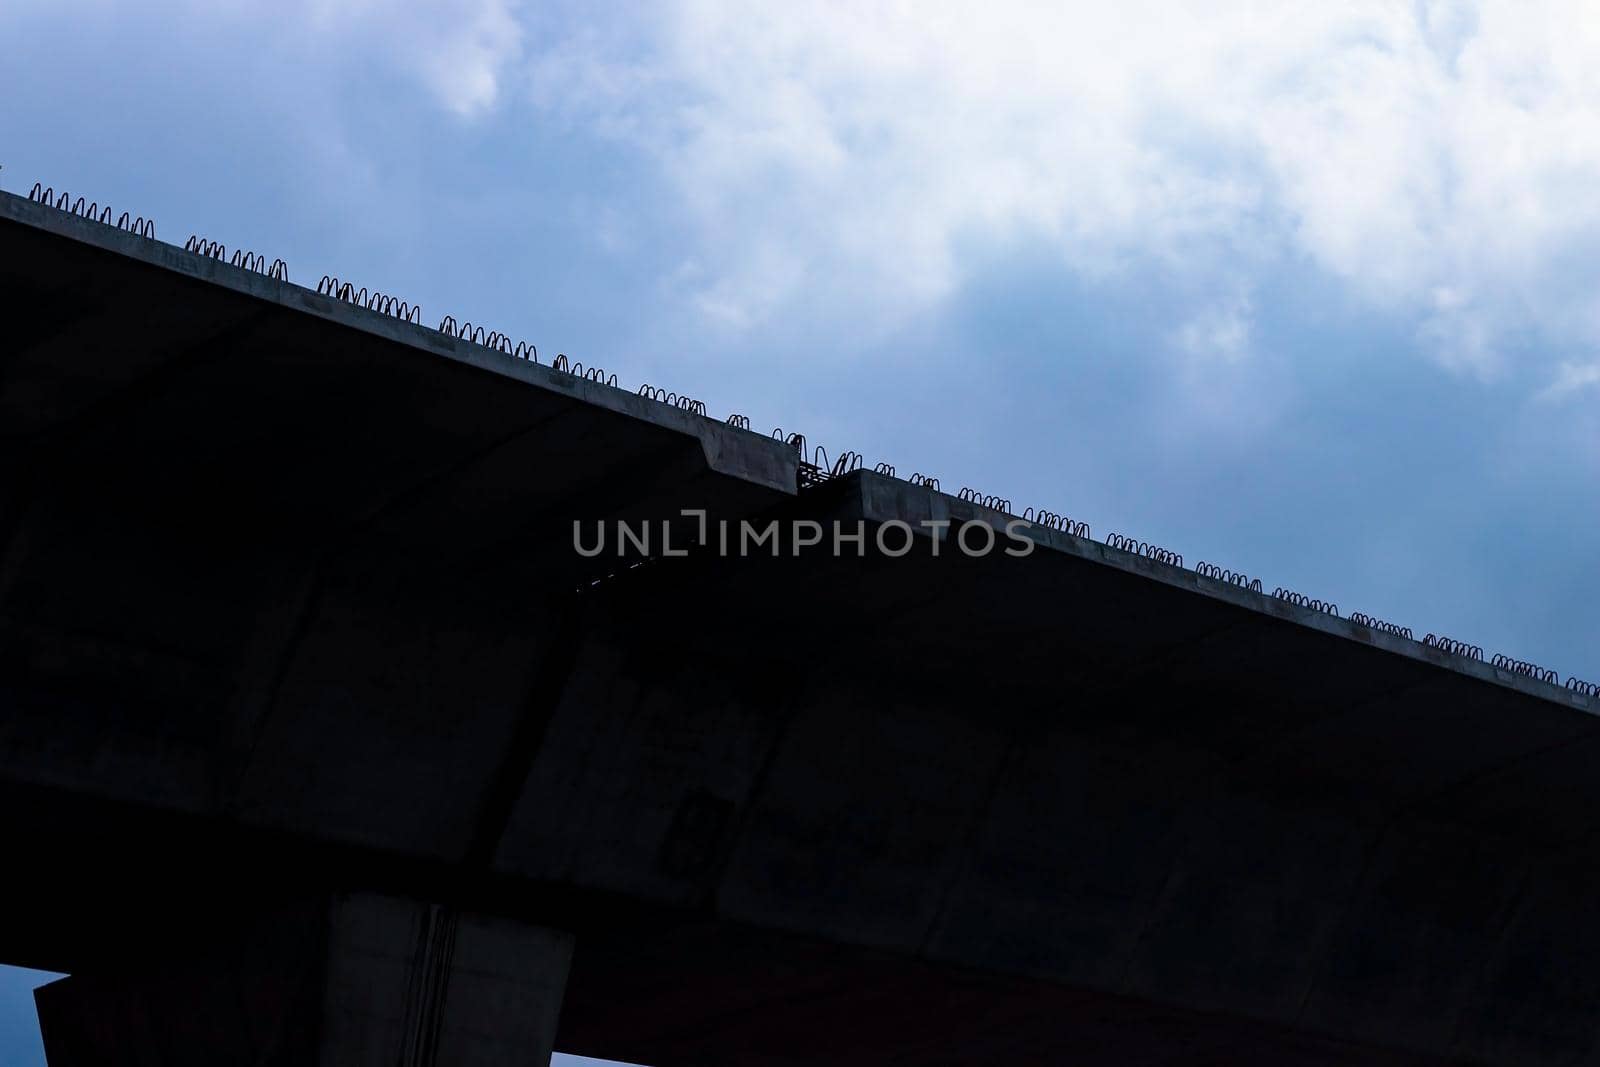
{"points": [[1306, 290]]}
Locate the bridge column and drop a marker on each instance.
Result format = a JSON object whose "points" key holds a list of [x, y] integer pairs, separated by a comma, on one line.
{"points": [[359, 979]]}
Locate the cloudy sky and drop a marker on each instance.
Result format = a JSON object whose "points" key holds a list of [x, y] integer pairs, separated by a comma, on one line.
{"points": [[1310, 291]]}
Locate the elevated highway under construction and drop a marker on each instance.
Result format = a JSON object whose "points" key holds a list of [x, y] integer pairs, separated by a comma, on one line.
{"points": [[321, 742]]}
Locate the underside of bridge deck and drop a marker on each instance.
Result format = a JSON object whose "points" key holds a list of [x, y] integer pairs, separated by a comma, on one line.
{"points": [[290, 609]]}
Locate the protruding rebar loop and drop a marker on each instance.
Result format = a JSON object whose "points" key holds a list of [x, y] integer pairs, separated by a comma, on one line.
{"points": [[211, 249], [666, 396], [884, 468], [1588, 689], [388, 305], [492, 339], [816, 469], [593, 374], [139, 226], [1371, 623], [1145, 549], [1050, 520], [200, 246], [1451, 646], [994, 503], [927, 481], [1524, 668], [739, 422], [41, 194], [1303, 601], [1223, 574], [371, 300], [796, 441], [472, 334]]}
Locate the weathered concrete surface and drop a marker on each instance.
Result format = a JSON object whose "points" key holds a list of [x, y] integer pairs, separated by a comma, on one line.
{"points": [[235, 493], [1108, 782], [288, 604], [353, 979]]}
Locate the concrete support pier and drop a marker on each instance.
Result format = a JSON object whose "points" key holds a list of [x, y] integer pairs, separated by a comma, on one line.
{"points": [[355, 980]]}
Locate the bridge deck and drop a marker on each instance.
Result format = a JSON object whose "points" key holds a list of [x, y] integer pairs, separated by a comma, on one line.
{"points": [[288, 600]]}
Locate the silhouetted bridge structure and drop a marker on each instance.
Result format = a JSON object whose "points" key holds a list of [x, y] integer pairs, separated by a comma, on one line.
{"points": [[319, 743]]}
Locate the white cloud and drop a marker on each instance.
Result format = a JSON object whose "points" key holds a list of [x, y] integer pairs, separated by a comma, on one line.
{"points": [[1571, 378], [464, 65], [1439, 158], [460, 49], [1219, 334]]}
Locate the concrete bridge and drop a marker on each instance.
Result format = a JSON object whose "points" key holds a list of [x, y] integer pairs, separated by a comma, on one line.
{"points": [[320, 743]]}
